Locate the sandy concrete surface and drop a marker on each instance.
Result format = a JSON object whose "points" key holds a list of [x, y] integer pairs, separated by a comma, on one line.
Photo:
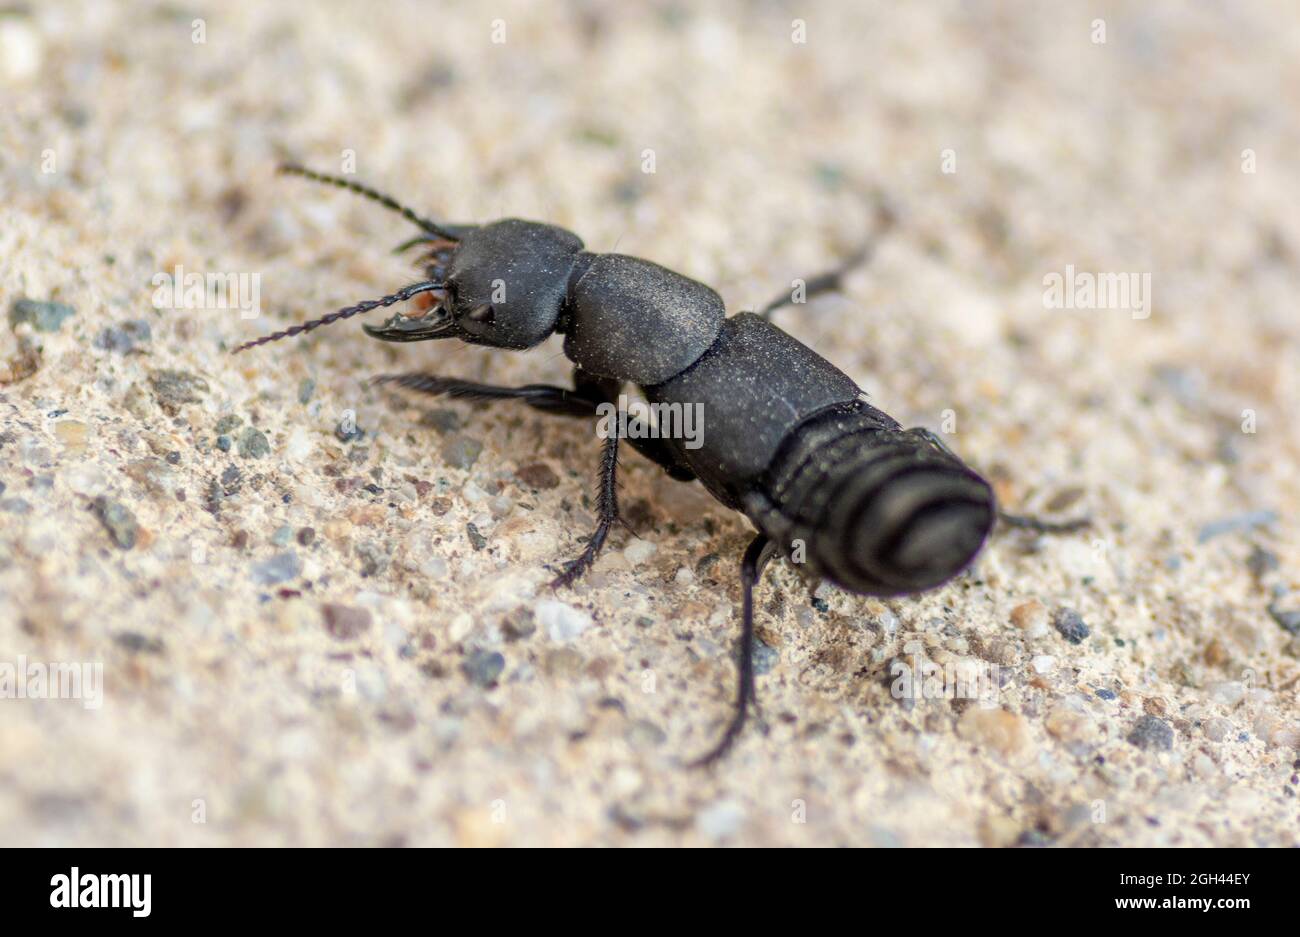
{"points": [[320, 609]]}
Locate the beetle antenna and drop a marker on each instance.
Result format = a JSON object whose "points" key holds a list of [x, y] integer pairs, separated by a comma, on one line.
{"points": [[406, 292], [293, 169]]}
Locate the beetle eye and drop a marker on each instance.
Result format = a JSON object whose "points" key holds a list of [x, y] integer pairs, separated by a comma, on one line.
{"points": [[482, 314]]}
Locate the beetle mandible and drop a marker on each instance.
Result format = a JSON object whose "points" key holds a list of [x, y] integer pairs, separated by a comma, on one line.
{"points": [[791, 441]]}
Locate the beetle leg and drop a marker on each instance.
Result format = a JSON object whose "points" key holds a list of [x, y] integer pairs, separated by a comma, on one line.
{"points": [[829, 281], [607, 507], [756, 556], [546, 397], [580, 401]]}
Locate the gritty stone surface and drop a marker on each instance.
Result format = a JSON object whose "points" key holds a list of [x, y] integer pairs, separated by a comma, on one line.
{"points": [[388, 677], [41, 316]]}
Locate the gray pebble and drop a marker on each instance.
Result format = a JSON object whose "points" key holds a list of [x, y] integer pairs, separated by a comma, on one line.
{"points": [[280, 568], [306, 387], [224, 443], [483, 667], [519, 623], [1152, 734], [1071, 625], [1289, 620], [444, 421], [461, 451], [1261, 561], [282, 536], [253, 444], [764, 657], [42, 316], [374, 557], [1238, 522], [118, 521], [125, 337], [174, 388], [138, 643], [476, 539], [227, 423]]}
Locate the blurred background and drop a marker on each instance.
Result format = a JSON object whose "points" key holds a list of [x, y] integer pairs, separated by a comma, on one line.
{"points": [[320, 608]]}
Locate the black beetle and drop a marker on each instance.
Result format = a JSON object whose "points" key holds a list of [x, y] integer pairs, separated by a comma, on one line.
{"points": [[790, 442]]}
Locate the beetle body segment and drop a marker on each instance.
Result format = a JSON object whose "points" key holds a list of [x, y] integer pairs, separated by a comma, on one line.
{"points": [[754, 387], [636, 321]]}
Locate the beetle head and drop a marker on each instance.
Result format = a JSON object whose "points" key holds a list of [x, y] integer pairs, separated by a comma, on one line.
{"points": [[505, 285]]}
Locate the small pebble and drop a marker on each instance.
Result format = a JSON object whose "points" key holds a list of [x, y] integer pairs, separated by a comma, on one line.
{"points": [[638, 551], [343, 621], [307, 536], [347, 430], [280, 568], [1239, 522], [476, 539], [444, 421], [253, 444], [224, 443], [282, 536], [306, 387], [228, 423], [1071, 625], [124, 338], [538, 476], [461, 451], [118, 521], [519, 623], [1043, 664], [1152, 733], [1261, 561], [1002, 731], [21, 47], [764, 658], [721, 820], [41, 316], [175, 388], [483, 667], [562, 622], [1288, 620], [1030, 617], [138, 643]]}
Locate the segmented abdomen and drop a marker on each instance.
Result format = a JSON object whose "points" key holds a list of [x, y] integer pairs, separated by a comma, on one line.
{"points": [[874, 508]]}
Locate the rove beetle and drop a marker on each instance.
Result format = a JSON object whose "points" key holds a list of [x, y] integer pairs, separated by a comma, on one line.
{"points": [[790, 440]]}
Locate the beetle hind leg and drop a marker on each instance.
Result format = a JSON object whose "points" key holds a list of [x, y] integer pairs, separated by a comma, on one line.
{"points": [[756, 556]]}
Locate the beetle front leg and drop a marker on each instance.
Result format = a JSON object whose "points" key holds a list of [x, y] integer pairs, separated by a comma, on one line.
{"points": [[607, 509]]}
